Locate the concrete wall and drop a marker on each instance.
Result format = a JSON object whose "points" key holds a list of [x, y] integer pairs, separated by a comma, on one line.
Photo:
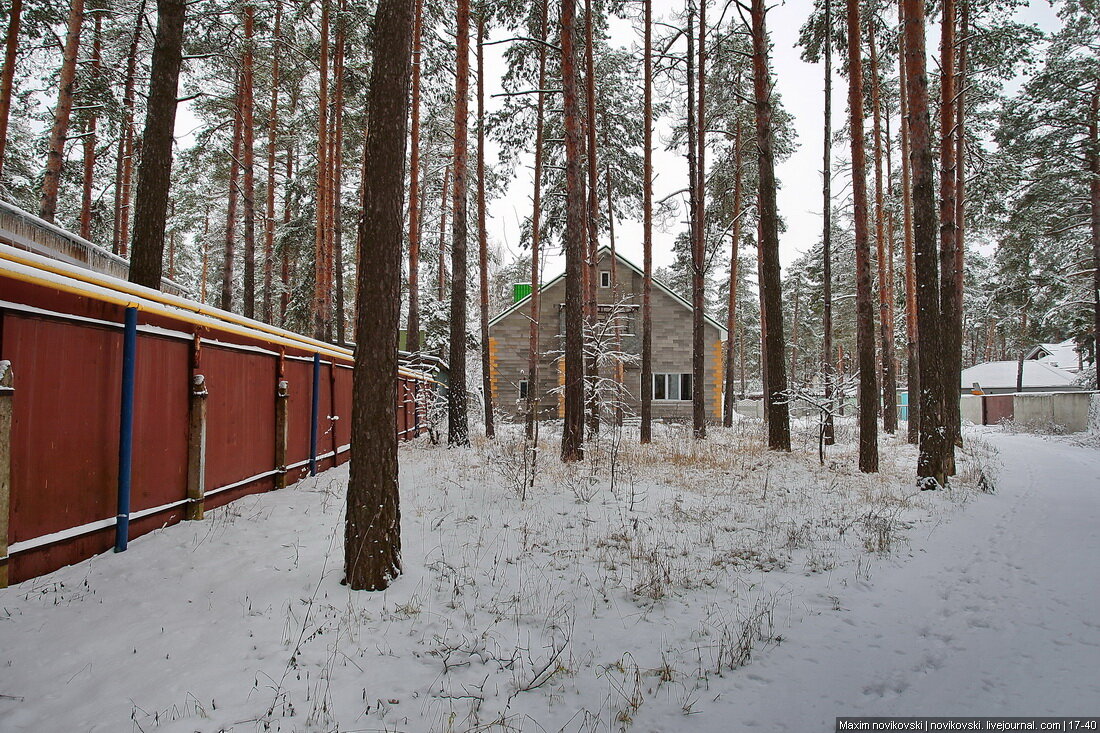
{"points": [[970, 409], [1069, 410]]}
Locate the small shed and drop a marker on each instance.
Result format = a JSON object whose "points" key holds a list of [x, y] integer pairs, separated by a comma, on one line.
{"points": [[1000, 377]]}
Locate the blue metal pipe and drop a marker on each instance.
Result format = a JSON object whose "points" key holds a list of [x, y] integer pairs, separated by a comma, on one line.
{"points": [[126, 429], [315, 414]]}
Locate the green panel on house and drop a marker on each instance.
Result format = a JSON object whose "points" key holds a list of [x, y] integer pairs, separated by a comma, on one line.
{"points": [[520, 291]]}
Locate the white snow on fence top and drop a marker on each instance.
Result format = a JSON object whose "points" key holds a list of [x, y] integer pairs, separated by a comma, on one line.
{"points": [[1002, 375]]}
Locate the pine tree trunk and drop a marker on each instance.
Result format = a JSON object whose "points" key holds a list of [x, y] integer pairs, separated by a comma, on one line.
{"points": [[55, 156], [865, 323], [731, 306], [412, 333], [226, 302], [89, 139], [336, 163], [793, 373], [124, 157], [1094, 201], [372, 535], [248, 163], [930, 464], [592, 368], [458, 430], [443, 207], [779, 427], [155, 173], [482, 234], [285, 259], [272, 130], [322, 292], [7, 78], [912, 368], [646, 431], [205, 257], [533, 348], [885, 303], [698, 250], [954, 416], [950, 306], [572, 440], [827, 367]]}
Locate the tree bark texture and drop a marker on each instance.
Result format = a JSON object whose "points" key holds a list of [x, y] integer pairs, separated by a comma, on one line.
{"points": [[124, 157], [272, 131], [882, 251], [412, 333], [7, 78], [89, 137], [248, 159], [458, 430], [912, 369], [226, 302], [779, 427], [533, 346], [731, 305], [930, 327], [155, 172], [950, 305], [482, 235], [827, 368], [865, 320], [592, 218], [646, 429], [698, 264], [55, 156], [372, 535], [572, 441], [1094, 201], [322, 286]]}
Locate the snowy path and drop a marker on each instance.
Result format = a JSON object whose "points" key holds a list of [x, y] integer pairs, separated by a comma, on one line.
{"points": [[998, 613]]}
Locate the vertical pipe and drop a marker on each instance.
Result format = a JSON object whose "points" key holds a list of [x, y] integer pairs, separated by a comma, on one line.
{"points": [[7, 393], [314, 414], [282, 425], [126, 429]]}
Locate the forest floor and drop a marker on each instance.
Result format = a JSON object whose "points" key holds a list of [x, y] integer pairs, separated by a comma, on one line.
{"points": [[703, 586]]}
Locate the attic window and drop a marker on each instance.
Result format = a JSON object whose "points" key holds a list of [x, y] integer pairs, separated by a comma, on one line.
{"points": [[605, 278]]}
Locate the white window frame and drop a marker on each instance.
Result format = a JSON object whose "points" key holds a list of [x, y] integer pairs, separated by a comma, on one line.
{"points": [[523, 386], [605, 278], [666, 383]]}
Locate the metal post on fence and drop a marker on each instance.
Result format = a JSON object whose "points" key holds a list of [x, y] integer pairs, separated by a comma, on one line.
{"points": [[196, 450], [7, 394], [126, 429], [314, 414], [282, 426]]}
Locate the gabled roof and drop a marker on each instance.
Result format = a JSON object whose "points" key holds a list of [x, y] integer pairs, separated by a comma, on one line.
{"points": [[1002, 375], [605, 250], [1063, 355]]}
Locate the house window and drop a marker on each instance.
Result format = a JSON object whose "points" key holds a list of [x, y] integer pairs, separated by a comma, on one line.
{"points": [[675, 387], [605, 278], [523, 389]]}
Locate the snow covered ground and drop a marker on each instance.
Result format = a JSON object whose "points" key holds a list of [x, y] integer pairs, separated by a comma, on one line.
{"points": [[710, 587]]}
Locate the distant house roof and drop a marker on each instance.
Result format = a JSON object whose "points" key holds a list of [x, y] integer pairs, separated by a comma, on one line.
{"points": [[1063, 355], [1002, 375], [606, 251]]}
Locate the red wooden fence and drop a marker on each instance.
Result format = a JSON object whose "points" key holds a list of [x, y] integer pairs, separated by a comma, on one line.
{"points": [[61, 333]]}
